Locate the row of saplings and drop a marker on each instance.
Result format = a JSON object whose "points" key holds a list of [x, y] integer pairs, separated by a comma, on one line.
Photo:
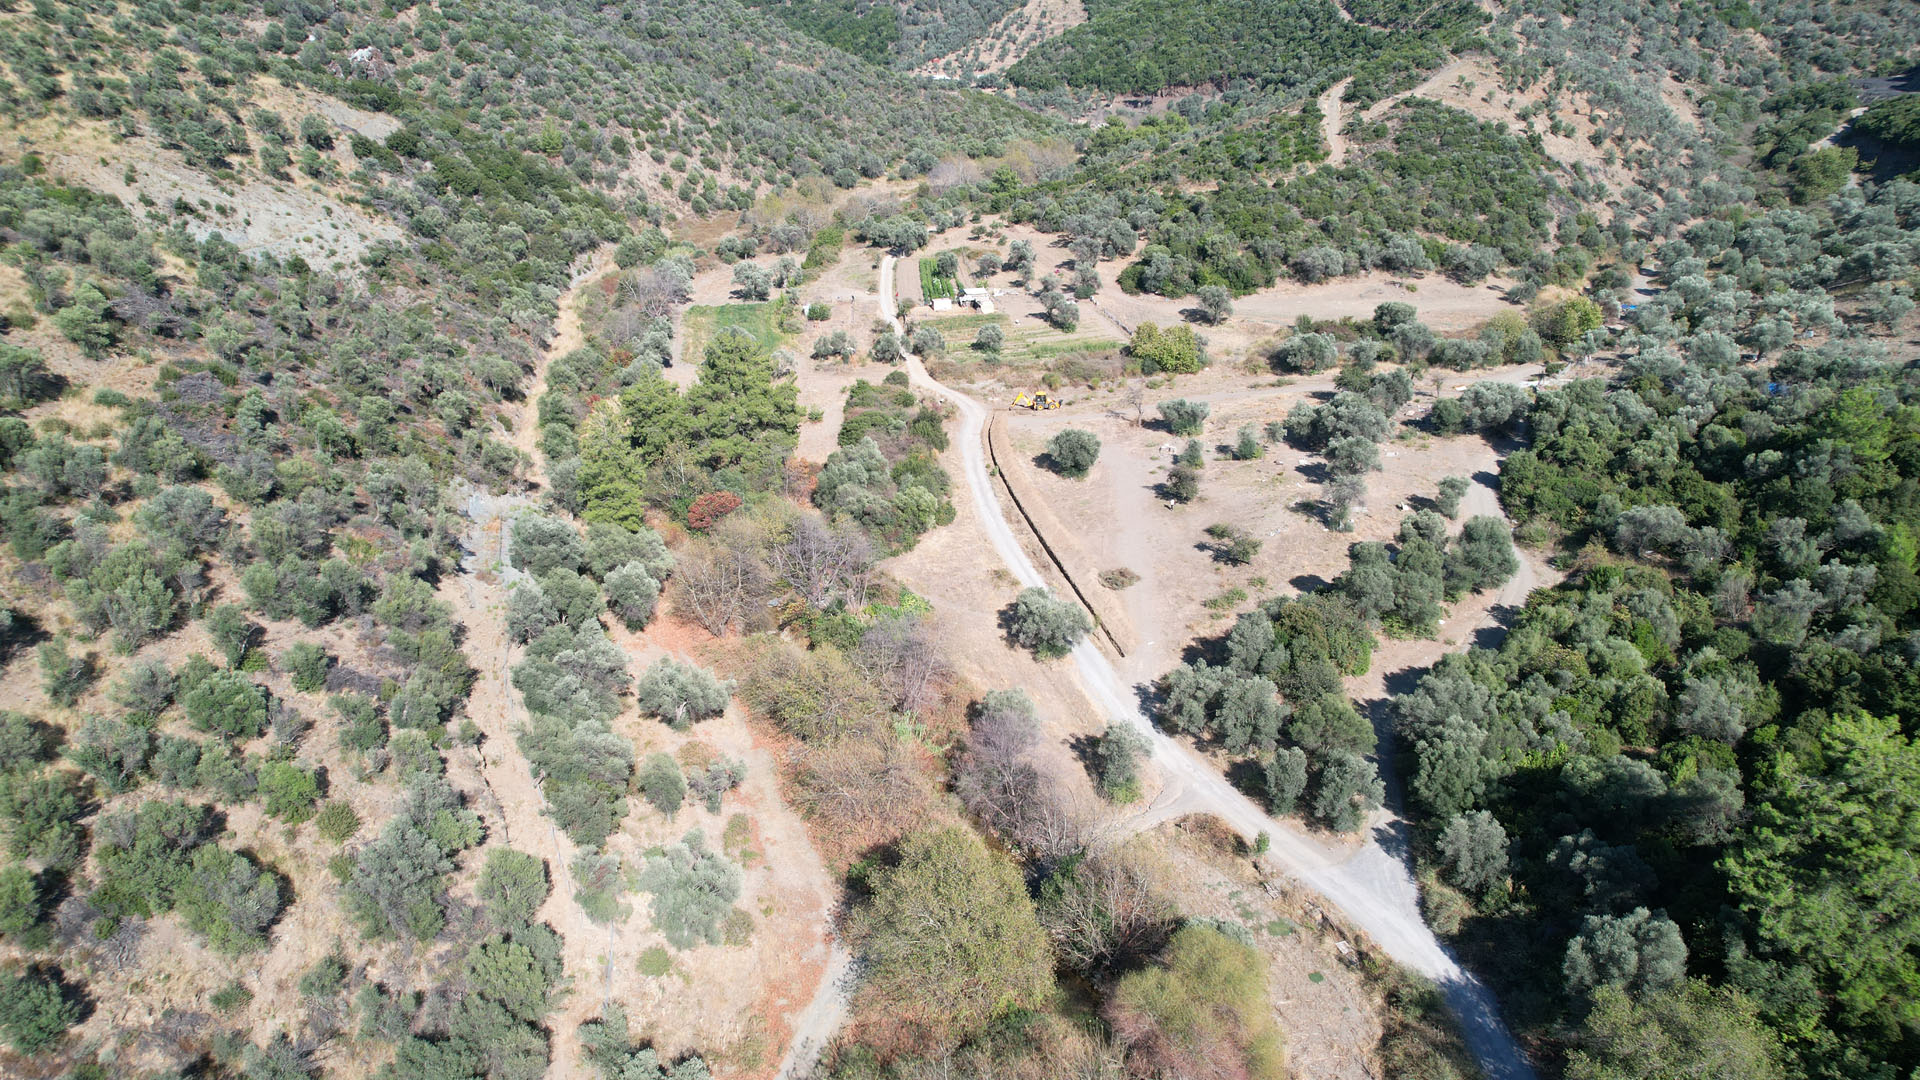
{"points": [[573, 680]]}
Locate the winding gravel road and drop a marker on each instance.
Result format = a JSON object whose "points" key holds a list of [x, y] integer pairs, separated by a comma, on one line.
{"points": [[1373, 888]]}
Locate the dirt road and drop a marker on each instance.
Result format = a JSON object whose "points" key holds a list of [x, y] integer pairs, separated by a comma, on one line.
{"points": [[814, 1028], [1332, 120], [1374, 889]]}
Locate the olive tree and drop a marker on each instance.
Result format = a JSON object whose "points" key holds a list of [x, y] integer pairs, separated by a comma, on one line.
{"points": [[1072, 452], [513, 885], [540, 543], [1118, 756], [1216, 302], [681, 694], [1184, 417], [1286, 779], [1481, 557], [632, 593], [927, 341], [1346, 791], [1306, 353], [1046, 624], [1473, 851], [1640, 952]]}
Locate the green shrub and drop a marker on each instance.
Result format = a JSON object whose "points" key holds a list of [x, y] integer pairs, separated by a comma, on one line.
{"points": [[1184, 417], [307, 665], [20, 899], [662, 784], [230, 997], [326, 978], [288, 791], [692, 889], [337, 821], [35, 1010], [655, 962], [513, 885], [599, 883], [951, 933], [222, 702], [1206, 1000], [64, 677], [1118, 756]]}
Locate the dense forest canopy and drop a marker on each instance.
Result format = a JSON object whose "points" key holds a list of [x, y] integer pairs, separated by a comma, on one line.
{"points": [[1132, 46]]}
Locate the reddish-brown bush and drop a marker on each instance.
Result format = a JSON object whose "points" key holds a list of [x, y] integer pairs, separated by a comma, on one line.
{"points": [[710, 508]]}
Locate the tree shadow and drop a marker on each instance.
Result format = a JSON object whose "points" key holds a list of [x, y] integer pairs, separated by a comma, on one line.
{"points": [[1504, 618], [1319, 510], [1044, 461], [1164, 492], [23, 631], [1395, 837], [1308, 583], [1005, 620], [884, 855], [1249, 778], [74, 993], [1086, 750], [1150, 698], [1504, 442]]}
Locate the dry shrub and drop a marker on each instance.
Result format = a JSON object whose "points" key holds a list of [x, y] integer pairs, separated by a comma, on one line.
{"points": [[814, 694], [1051, 1047], [858, 783], [1104, 912], [708, 509], [1418, 1039], [1089, 369], [863, 791], [1212, 832], [722, 586]]}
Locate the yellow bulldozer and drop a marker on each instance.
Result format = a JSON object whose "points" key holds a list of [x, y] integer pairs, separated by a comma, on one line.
{"points": [[1036, 401]]}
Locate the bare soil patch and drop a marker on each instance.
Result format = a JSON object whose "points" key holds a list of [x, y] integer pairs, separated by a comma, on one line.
{"points": [[296, 216], [1120, 518], [1011, 38]]}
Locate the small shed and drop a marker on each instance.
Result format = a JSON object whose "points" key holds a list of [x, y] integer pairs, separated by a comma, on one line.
{"points": [[981, 299]]}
